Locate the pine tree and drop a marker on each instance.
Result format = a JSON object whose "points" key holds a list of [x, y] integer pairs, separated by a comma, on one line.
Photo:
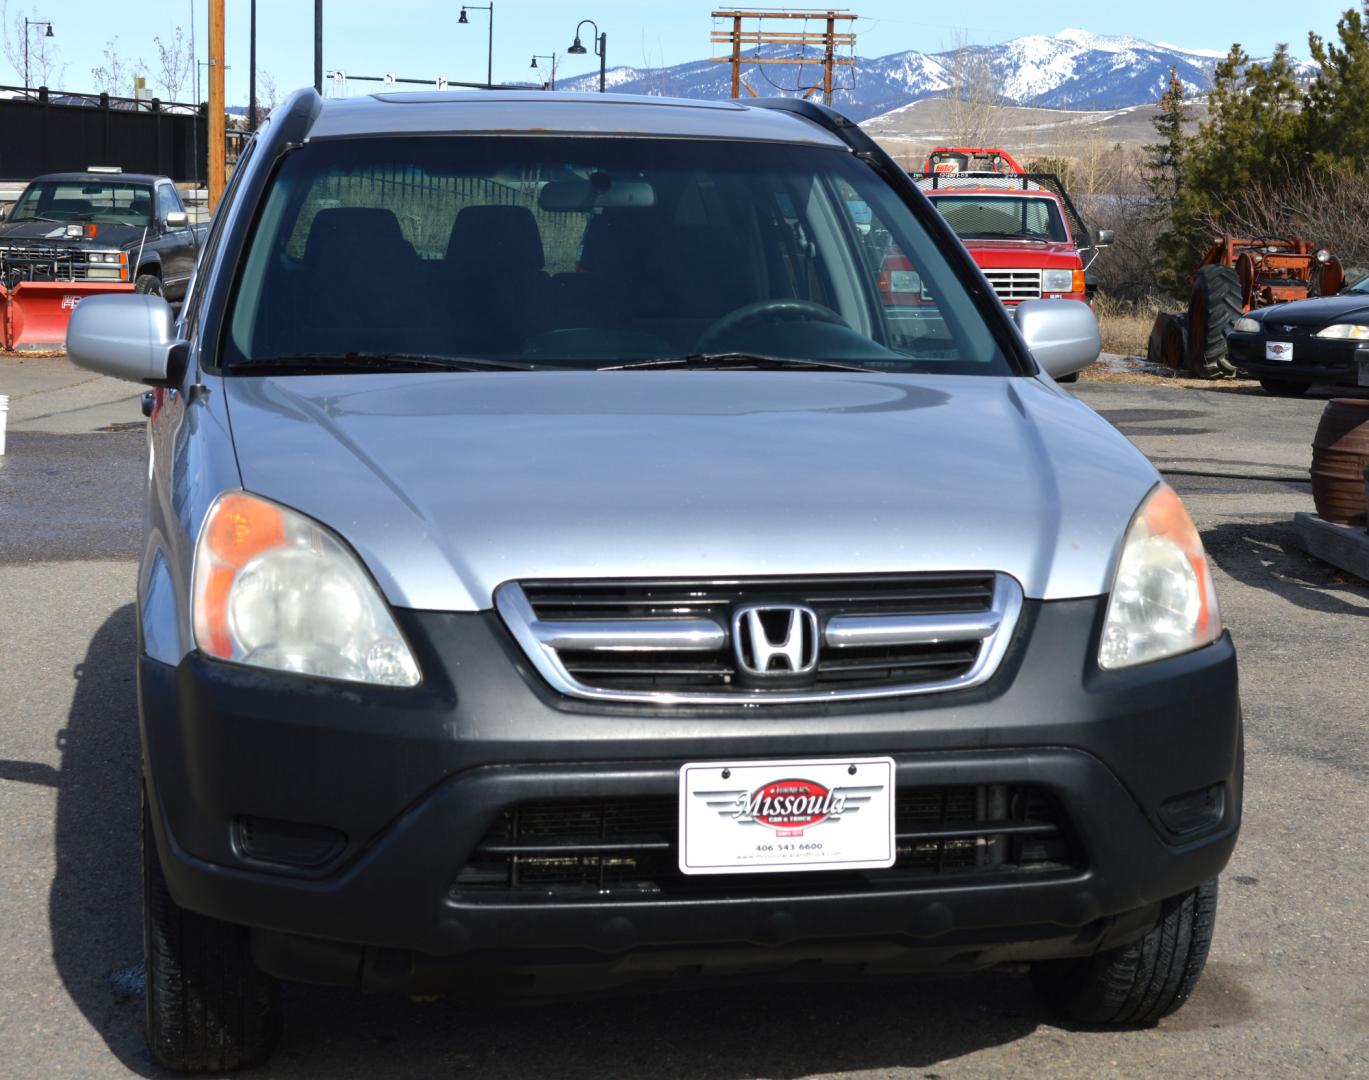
{"points": [[1164, 179], [1337, 122], [1165, 159]]}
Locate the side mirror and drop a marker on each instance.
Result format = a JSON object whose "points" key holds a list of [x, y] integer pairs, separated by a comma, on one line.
{"points": [[177, 219], [127, 336], [2, 213], [1104, 239], [1062, 334]]}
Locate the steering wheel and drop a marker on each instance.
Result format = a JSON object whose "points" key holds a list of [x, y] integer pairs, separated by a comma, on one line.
{"points": [[773, 310]]}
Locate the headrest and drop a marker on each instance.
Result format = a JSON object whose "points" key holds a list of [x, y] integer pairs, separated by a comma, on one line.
{"points": [[496, 238], [365, 230]]}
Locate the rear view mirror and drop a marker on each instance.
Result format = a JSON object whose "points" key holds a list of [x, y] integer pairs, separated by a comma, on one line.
{"points": [[176, 219], [128, 336], [1105, 237], [596, 193], [1062, 334]]}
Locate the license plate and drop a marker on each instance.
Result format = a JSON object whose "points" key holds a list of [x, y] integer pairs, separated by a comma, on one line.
{"points": [[1278, 350], [776, 816]]}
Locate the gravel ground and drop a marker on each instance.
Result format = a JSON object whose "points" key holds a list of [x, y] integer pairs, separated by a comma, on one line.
{"points": [[1285, 991]]}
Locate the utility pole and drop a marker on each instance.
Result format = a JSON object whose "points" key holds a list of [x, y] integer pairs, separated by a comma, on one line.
{"points": [[826, 59], [318, 47], [829, 41], [216, 132], [252, 75]]}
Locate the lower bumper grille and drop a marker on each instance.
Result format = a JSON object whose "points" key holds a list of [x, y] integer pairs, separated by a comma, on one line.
{"points": [[627, 848]]}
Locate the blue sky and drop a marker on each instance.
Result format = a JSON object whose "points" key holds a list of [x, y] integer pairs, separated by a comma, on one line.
{"points": [[421, 38]]}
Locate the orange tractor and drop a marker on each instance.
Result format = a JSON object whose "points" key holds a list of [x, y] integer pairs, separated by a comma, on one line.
{"points": [[1234, 277]]}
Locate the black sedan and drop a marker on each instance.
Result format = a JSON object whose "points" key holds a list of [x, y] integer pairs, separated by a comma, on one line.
{"points": [[1288, 347]]}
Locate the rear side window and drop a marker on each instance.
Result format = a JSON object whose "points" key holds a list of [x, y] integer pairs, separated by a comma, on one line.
{"points": [[588, 252]]}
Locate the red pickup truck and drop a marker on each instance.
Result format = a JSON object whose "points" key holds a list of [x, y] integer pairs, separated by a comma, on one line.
{"points": [[1020, 228]]}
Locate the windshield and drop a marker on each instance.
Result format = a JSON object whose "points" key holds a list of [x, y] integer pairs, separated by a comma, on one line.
{"points": [[1003, 217], [85, 201], [585, 252]]}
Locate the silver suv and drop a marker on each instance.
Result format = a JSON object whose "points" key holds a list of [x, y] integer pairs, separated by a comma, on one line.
{"points": [[599, 539]]}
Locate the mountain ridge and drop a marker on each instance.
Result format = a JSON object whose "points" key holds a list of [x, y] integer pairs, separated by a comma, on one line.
{"points": [[1071, 69]]}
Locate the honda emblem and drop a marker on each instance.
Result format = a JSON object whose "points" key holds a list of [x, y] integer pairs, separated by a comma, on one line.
{"points": [[775, 639]]}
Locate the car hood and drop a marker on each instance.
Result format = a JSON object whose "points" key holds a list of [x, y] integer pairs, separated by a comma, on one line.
{"points": [[448, 484], [48, 232], [1317, 312]]}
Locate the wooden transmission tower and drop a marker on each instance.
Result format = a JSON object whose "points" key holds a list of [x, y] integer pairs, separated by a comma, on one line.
{"points": [[738, 36]]}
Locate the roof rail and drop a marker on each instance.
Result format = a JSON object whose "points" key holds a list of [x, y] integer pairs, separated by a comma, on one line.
{"points": [[844, 128]]}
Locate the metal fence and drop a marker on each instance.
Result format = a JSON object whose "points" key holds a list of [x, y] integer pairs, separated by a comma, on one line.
{"points": [[45, 131]]}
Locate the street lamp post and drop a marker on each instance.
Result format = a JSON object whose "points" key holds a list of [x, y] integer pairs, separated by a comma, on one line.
{"points": [[543, 56], [27, 24], [463, 21], [600, 48]]}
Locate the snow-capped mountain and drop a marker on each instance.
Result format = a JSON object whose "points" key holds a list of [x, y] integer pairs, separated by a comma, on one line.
{"points": [[1072, 69]]}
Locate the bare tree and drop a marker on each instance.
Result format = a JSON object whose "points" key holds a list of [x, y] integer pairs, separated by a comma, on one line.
{"points": [[173, 64], [115, 75], [45, 66], [974, 114], [268, 96]]}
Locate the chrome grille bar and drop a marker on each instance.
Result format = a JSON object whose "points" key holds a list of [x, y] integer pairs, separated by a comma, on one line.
{"points": [[860, 631], [612, 635]]}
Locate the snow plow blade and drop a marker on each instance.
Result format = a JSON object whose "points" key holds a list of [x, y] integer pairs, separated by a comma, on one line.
{"points": [[34, 314]]}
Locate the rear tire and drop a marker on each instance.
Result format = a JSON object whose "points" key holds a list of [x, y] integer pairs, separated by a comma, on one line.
{"points": [[1140, 983], [1215, 306], [148, 283], [209, 1008], [1285, 387]]}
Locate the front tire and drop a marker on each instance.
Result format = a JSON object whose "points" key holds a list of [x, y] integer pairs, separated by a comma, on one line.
{"points": [[1285, 387], [148, 283], [209, 1008], [1140, 983]]}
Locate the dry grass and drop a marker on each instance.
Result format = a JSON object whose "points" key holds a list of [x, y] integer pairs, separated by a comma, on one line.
{"points": [[1125, 324]]}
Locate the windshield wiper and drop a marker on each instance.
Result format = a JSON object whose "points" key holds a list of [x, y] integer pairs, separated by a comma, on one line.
{"points": [[735, 361], [341, 363]]}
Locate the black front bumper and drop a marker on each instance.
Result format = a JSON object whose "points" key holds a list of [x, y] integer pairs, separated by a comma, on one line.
{"points": [[411, 780], [1315, 360]]}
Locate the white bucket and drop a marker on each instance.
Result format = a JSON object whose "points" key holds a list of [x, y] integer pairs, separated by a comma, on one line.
{"points": [[4, 418]]}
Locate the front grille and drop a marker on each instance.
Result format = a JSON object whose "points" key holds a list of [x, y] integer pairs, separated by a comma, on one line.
{"points": [[628, 848], [640, 639], [35, 263], [1015, 284]]}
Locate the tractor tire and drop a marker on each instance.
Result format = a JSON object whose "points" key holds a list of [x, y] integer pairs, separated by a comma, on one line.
{"points": [[148, 283], [209, 1008], [1285, 387], [1140, 983], [1168, 342], [1212, 311]]}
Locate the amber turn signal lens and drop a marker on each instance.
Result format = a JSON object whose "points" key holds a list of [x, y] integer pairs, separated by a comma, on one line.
{"points": [[243, 527]]}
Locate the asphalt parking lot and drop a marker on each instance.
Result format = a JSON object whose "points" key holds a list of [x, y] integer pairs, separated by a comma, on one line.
{"points": [[1285, 991]]}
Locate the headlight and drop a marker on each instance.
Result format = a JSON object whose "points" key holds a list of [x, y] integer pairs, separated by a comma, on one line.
{"points": [[1246, 325], [1057, 281], [1163, 602], [1345, 330], [276, 590]]}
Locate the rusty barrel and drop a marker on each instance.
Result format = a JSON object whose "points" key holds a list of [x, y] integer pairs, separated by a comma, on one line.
{"points": [[1340, 453]]}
